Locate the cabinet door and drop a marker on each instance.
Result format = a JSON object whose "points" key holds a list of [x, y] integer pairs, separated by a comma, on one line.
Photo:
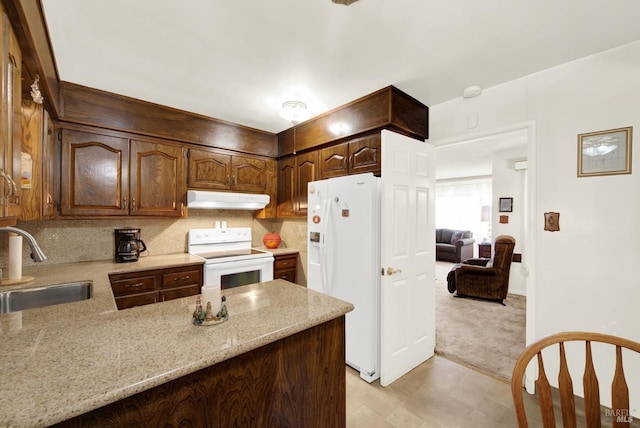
{"points": [[271, 179], [306, 171], [176, 293], [94, 174], [333, 161], [32, 153], [286, 188], [249, 174], [285, 267], [209, 170], [39, 151], [364, 154], [132, 300], [11, 121], [158, 184]]}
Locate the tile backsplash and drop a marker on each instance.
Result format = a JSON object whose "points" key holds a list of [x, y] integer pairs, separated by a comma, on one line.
{"points": [[78, 240]]}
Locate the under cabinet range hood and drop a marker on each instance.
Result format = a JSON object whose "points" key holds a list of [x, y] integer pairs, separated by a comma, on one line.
{"points": [[203, 199]]}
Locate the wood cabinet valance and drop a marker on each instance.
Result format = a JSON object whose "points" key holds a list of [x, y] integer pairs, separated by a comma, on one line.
{"points": [[388, 108]]}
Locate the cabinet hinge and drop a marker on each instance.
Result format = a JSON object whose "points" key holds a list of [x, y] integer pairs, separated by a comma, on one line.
{"points": [[60, 135]]}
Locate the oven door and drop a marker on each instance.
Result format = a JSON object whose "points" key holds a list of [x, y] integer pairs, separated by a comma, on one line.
{"points": [[240, 272]]}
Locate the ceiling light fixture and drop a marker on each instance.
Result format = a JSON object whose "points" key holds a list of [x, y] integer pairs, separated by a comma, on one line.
{"points": [[472, 91], [294, 111]]}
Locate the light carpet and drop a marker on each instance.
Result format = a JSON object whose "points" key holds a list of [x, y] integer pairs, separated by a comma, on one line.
{"points": [[478, 333]]}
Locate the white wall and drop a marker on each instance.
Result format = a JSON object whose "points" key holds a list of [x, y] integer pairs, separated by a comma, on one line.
{"points": [[509, 183], [585, 276]]}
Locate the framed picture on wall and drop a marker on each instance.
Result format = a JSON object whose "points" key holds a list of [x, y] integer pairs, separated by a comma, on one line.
{"points": [[505, 205], [605, 152]]}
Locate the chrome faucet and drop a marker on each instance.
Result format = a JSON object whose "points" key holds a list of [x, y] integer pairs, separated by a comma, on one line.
{"points": [[36, 253]]}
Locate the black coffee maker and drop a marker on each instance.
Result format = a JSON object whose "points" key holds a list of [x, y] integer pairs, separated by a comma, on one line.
{"points": [[128, 245]]}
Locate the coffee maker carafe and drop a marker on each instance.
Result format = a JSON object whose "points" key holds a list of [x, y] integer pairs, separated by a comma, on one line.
{"points": [[128, 245]]}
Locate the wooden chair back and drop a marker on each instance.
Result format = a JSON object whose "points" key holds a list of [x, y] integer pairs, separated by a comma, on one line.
{"points": [[619, 390]]}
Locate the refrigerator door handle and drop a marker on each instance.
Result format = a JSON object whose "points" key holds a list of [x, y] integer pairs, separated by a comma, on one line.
{"points": [[323, 248], [326, 254]]}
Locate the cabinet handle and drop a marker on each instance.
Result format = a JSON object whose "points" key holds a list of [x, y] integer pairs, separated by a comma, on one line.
{"points": [[13, 187], [235, 180], [228, 180], [124, 203], [11, 184], [133, 204], [182, 278], [155, 300], [49, 199], [285, 263], [136, 285], [163, 297]]}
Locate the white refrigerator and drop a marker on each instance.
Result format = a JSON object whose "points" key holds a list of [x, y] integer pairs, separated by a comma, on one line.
{"points": [[344, 259]]}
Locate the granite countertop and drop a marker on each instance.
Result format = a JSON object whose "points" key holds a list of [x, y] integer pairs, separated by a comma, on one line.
{"points": [[280, 251], [61, 361]]}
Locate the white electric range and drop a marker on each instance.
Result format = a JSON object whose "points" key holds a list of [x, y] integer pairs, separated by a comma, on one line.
{"points": [[229, 259]]}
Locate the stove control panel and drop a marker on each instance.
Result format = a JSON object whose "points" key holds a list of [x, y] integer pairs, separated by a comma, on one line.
{"points": [[217, 236]]}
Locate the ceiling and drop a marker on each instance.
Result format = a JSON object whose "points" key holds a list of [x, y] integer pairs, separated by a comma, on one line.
{"points": [[239, 60], [474, 158]]}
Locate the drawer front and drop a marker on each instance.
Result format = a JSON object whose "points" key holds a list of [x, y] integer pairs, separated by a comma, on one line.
{"points": [[136, 300], [285, 263], [180, 279], [133, 285], [287, 275], [177, 293]]}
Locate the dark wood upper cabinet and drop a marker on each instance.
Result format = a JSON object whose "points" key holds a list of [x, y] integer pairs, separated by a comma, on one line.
{"points": [[356, 156], [109, 175], [249, 174], [306, 171], [95, 174], [209, 169], [287, 202], [40, 156], [158, 182], [334, 161], [294, 173], [10, 121]]}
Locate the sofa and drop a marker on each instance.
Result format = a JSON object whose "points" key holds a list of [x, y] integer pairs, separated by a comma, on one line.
{"points": [[454, 245]]}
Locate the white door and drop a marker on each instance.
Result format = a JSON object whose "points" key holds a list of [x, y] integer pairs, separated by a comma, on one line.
{"points": [[407, 255]]}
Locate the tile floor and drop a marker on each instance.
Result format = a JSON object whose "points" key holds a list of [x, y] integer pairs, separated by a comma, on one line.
{"points": [[438, 393]]}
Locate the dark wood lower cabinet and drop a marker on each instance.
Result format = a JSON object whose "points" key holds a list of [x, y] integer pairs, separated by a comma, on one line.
{"points": [[298, 381], [285, 267], [152, 286]]}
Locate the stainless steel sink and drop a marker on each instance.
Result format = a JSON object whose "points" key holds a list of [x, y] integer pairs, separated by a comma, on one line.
{"points": [[29, 298]]}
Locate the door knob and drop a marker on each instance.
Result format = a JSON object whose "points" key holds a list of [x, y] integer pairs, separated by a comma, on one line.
{"points": [[391, 271]]}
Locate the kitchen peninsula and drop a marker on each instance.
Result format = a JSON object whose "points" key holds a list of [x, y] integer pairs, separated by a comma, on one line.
{"points": [[277, 361]]}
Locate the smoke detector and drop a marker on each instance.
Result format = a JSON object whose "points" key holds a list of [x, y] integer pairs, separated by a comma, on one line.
{"points": [[472, 91]]}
